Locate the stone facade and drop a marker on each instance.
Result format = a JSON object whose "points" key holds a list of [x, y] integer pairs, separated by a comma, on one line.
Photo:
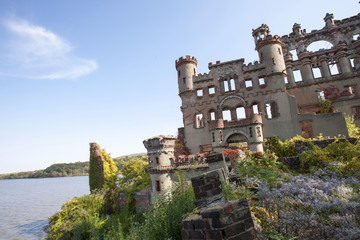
{"points": [[278, 94]]}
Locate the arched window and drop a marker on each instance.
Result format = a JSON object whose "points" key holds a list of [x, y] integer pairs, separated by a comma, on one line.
{"points": [[212, 115], [255, 108], [319, 45]]}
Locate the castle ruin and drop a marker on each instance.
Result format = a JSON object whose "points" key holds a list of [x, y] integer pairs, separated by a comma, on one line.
{"points": [[277, 95]]}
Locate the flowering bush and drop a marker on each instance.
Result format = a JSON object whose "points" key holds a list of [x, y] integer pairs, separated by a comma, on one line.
{"points": [[323, 203]]}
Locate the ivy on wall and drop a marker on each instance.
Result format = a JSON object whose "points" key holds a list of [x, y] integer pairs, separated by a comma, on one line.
{"points": [[103, 171]]}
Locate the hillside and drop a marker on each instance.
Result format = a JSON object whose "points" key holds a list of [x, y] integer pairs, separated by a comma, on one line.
{"points": [[68, 169]]}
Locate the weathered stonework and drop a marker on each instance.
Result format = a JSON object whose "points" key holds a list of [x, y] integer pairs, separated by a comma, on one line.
{"points": [[238, 102], [217, 219]]}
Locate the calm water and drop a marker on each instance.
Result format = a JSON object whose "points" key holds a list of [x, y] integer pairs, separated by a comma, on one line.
{"points": [[26, 204]]}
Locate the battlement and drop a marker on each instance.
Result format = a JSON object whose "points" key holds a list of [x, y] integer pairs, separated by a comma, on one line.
{"points": [[262, 30], [252, 66], [187, 59], [268, 39], [203, 76]]}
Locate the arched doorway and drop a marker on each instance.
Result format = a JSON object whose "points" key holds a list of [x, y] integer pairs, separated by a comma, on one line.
{"points": [[237, 140]]}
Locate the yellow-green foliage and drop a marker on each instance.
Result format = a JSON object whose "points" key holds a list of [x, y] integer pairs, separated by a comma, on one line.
{"points": [[325, 105], [64, 223], [352, 128], [280, 148], [103, 172], [135, 175], [343, 157]]}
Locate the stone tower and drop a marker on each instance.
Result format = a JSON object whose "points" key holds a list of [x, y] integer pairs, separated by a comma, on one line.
{"points": [[160, 150], [186, 68]]}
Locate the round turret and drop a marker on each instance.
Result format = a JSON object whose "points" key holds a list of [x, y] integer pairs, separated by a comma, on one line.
{"points": [[186, 68], [270, 50]]}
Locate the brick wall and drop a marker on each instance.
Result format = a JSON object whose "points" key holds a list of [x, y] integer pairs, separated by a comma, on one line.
{"points": [[216, 218]]}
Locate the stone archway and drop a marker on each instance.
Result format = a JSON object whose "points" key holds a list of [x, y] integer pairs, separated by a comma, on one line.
{"points": [[236, 138]]}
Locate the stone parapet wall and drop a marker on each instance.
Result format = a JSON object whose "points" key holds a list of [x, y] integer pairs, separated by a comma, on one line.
{"points": [[216, 218], [227, 220], [142, 199]]}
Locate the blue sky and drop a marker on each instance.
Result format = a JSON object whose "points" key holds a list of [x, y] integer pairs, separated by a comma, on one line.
{"points": [[74, 72]]}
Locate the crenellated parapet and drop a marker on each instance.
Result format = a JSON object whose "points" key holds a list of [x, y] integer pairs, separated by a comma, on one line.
{"points": [[254, 66], [268, 40], [187, 59], [203, 76]]}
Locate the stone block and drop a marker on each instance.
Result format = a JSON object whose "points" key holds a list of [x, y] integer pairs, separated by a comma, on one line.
{"points": [[234, 229]]}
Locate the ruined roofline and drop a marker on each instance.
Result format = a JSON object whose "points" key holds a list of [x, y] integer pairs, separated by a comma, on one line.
{"points": [[219, 63]]}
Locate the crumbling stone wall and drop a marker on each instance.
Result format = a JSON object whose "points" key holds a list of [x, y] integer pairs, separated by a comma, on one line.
{"points": [[142, 199], [217, 219]]}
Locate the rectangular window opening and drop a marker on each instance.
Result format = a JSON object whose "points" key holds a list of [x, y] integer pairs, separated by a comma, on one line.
{"points": [[226, 86], [240, 113], [261, 81], [212, 116], [316, 72], [199, 92], [297, 76], [334, 69], [294, 55], [286, 80], [248, 83], [211, 90], [199, 120], [232, 85], [255, 108], [226, 115], [157, 185]]}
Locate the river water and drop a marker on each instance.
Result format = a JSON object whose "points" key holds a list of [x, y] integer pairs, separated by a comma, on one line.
{"points": [[26, 204]]}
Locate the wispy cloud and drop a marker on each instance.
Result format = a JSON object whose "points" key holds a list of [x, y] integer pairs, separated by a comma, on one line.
{"points": [[36, 52]]}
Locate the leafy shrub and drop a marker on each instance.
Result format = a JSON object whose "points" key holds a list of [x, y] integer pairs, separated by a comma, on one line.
{"points": [[163, 219], [325, 105], [280, 148], [337, 156]]}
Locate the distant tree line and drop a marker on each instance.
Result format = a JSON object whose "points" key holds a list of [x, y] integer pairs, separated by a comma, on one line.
{"points": [[67, 169]]}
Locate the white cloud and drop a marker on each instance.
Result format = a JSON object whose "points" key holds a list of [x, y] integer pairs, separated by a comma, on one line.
{"points": [[36, 52]]}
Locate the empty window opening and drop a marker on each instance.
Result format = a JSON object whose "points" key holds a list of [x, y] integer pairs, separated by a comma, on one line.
{"points": [[199, 92], [250, 131], [320, 95], [199, 120], [179, 73], [221, 136], [316, 72], [211, 90], [279, 51], [240, 113], [286, 80], [352, 62], [294, 55], [355, 37], [226, 114], [248, 83], [232, 84], [212, 115], [271, 110], [333, 69], [351, 90], [226, 86], [157, 185], [297, 76], [261, 81], [213, 136], [255, 108], [184, 81], [273, 61], [319, 45], [194, 71], [157, 161]]}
